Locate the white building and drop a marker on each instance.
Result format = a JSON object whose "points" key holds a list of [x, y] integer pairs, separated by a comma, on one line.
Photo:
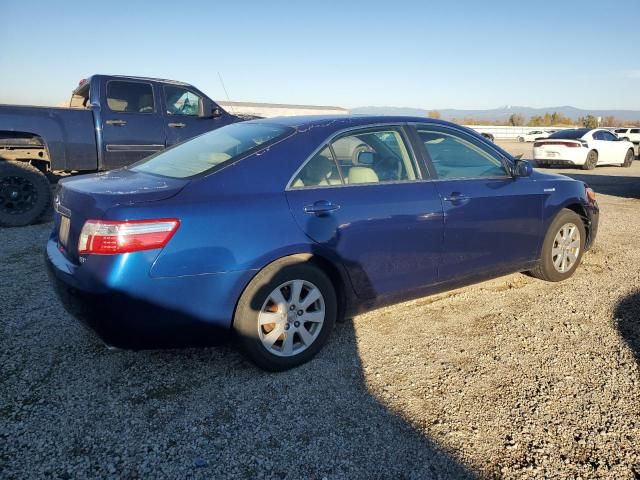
{"points": [[279, 109]]}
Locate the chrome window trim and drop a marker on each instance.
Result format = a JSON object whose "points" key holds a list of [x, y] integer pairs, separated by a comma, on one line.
{"points": [[500, 156], [327, 143]]}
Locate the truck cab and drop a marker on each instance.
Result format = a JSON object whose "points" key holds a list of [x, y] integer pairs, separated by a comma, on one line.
{"points": [[136, 116], [110, 122]]}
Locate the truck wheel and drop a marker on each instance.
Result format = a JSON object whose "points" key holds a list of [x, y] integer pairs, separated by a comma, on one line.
{"points": [[25, 194]]}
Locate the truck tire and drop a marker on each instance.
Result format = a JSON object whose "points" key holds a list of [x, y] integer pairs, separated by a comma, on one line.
{"points": [[25, 194]]}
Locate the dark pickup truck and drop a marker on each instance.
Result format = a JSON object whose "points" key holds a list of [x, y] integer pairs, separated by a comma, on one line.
{"points": [[111, 122]]}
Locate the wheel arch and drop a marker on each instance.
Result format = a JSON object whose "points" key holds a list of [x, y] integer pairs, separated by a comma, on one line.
{"points": [[24, 146], [581, 211], [335, 272]]}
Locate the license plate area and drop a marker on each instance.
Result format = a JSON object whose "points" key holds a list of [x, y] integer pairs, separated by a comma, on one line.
{"points": [[552, 154], [63, 231]]}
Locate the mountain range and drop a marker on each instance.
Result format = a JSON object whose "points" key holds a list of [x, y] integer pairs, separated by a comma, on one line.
{"points": [[499, 114]]}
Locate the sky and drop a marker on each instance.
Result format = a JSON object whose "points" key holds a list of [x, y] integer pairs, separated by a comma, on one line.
{"points": [[424, 54]]}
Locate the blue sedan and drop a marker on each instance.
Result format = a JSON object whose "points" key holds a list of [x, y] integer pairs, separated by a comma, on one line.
{"points": [[275, 229]]}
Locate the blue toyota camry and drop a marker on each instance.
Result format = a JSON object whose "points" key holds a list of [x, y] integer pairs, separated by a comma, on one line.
{"points": [[275, 228]]}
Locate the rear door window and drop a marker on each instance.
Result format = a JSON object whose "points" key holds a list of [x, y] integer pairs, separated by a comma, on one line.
{"points": [[361, 157], [130, 97]]}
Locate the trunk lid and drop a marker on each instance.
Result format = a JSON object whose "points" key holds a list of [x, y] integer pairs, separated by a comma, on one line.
{"points": [[90, 196]]}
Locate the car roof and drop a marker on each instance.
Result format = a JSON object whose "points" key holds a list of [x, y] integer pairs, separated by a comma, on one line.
{"points": [[345, 121]]}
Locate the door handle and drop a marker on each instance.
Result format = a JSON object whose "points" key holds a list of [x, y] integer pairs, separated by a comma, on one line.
{"points": [[321, 207], [117, 123], [457, 198], [177, 125]]}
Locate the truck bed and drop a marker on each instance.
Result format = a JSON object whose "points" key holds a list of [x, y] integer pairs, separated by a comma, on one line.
{"points": [[68, 133]]}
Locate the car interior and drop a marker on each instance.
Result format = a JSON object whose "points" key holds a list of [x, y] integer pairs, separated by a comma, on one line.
{"points": [[371, 157], [130, 97], [454, 157]]}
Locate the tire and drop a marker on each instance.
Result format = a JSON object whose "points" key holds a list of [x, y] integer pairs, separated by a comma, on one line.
{"points": [[521, 139], [256, 308], [628, 159], [548, 270], [592, 161], [625, 139], [25, 194]]}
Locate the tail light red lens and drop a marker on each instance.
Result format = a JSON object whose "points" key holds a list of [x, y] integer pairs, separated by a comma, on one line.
{"points": [[564, 144], [106, 237]]}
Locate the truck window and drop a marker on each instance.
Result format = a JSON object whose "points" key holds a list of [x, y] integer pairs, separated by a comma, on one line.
{"points": [[131, 97], [180, 101]]}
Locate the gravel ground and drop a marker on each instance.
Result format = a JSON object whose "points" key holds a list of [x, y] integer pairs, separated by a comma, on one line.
{"points": [[511, 378]]}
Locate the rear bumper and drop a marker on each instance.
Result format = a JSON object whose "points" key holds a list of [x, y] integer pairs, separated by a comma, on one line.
{"points": [[160, 313]]}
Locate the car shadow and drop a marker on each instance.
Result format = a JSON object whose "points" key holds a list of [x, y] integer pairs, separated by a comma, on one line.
{"points": [[209, 413], [627, 316]]}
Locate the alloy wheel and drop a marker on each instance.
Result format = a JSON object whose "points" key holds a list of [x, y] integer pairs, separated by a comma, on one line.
{"points": [[291, 318], [566, 247]]}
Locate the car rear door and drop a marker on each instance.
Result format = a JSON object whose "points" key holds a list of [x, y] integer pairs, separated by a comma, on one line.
{"points": [[132, 128], [364, 199], [185, 114], [492, 221]]}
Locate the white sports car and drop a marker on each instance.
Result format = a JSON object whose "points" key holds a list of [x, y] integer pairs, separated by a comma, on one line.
{"points": [[533, 135], [584, 147]]}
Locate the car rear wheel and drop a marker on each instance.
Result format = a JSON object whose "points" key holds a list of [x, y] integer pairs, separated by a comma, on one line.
{"points": [[562, 248], [25, 194], [286, 314], [628, 159], [521, 139], [591, 161]]}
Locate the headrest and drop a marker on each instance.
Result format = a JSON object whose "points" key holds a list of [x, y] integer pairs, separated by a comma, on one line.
{"points": [[362, 175]]}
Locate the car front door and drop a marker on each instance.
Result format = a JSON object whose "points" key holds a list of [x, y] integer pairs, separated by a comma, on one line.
{"points": [[132, 128], [364, 199], [492, 221], [188, 114]]}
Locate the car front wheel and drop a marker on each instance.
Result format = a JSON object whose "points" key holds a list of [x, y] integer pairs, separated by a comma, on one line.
{"points": [[286, 314], [562, 248], [628, 159]]}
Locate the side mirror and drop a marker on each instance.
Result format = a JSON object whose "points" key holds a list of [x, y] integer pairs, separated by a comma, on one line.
{"points": [[215, 112], [522, 168]]}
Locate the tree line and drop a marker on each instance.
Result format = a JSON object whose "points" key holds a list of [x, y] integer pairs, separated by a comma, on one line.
{"points": [[554, 119]]}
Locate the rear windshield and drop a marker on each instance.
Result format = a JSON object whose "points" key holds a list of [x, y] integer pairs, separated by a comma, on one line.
{"points": [[212, 149], [570, 134]]}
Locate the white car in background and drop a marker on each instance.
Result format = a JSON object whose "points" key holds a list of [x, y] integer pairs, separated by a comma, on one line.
{"points": [[584, 147], [533, 135], [631, 134]]}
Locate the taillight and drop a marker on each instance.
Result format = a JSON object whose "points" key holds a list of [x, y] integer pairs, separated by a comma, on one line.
{"points": [[564, 144], [108, 237]]}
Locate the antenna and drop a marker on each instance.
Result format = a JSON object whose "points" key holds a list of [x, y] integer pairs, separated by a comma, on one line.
{"points": [[225, 92]]}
